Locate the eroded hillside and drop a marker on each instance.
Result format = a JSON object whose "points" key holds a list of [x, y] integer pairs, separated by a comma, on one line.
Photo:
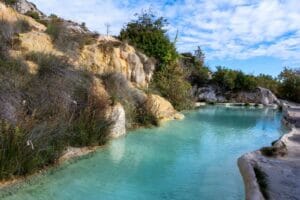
{"points": [[62, 85]]}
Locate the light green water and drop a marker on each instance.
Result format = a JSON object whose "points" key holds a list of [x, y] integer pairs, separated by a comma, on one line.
{"points": [[182, 160]]}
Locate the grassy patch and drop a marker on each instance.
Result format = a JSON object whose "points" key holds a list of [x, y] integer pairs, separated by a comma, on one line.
{"points": [[68, 40]]}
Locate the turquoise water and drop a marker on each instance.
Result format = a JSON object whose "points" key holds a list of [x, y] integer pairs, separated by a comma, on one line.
{"points": [[182, 160]]}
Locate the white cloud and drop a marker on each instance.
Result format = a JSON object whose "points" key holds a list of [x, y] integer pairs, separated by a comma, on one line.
{"points": [[226, 29]]}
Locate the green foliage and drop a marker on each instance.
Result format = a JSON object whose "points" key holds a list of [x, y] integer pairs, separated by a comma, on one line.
{"points": [[10, 2], [171, 84], [23, 151], [289, 85], [90, 129], [197, 73], [33, 14], [148, 34], [269, 82], [233, 80]]}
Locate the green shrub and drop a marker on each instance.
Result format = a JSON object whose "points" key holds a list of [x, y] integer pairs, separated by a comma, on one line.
{"points": [[171, 83], [23, 151], [33, 14], [89, 129]]}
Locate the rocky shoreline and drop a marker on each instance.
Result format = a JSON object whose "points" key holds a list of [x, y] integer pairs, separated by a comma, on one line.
{"points": [[274, 172]]}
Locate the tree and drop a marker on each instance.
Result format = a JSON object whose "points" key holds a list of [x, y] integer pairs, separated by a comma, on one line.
{"points": [[289, 85], [199, 55], [197, 72], [148, 34]]}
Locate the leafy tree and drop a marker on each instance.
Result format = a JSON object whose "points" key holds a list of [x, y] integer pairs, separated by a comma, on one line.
{"points": [[290, 85], [268, 81], [148, 34], [198, 73], [199, 55], [234, 80]]}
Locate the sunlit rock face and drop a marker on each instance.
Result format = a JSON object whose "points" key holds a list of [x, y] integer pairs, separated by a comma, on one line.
{"points": [[118, 120], [162, 109], [110, 55]]}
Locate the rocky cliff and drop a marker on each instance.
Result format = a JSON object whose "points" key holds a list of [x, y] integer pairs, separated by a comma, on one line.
{"points": [[87, 62]]}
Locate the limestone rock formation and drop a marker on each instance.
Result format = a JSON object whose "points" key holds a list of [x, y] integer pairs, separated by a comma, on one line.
{"points": [[214, 94], [23, 6], [110, 55], [208, 94], [162, 109], [279, 163], [118, 120]]}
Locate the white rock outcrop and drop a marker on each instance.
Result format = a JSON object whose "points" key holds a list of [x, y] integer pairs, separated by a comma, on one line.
{"points": [[117, 117], [208, 94]]}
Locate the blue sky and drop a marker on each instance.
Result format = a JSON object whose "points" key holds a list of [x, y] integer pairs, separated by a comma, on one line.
{"points": [[256, 36]]}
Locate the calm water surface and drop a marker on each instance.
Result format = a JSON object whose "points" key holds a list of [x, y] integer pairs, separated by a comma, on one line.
{"points": [[182, 160]]}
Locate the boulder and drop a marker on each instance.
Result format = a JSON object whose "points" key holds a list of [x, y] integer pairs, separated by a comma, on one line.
{"points": [[161, 108], [208, 94]]}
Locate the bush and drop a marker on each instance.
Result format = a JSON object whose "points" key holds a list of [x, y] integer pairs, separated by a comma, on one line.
{"points": [[171, 84], [91, 127], [33, 14], [148, 34], [9, 32], [24, 151]]}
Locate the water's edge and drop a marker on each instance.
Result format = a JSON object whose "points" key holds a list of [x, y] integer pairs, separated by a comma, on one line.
{"points": [[247, 161]]}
